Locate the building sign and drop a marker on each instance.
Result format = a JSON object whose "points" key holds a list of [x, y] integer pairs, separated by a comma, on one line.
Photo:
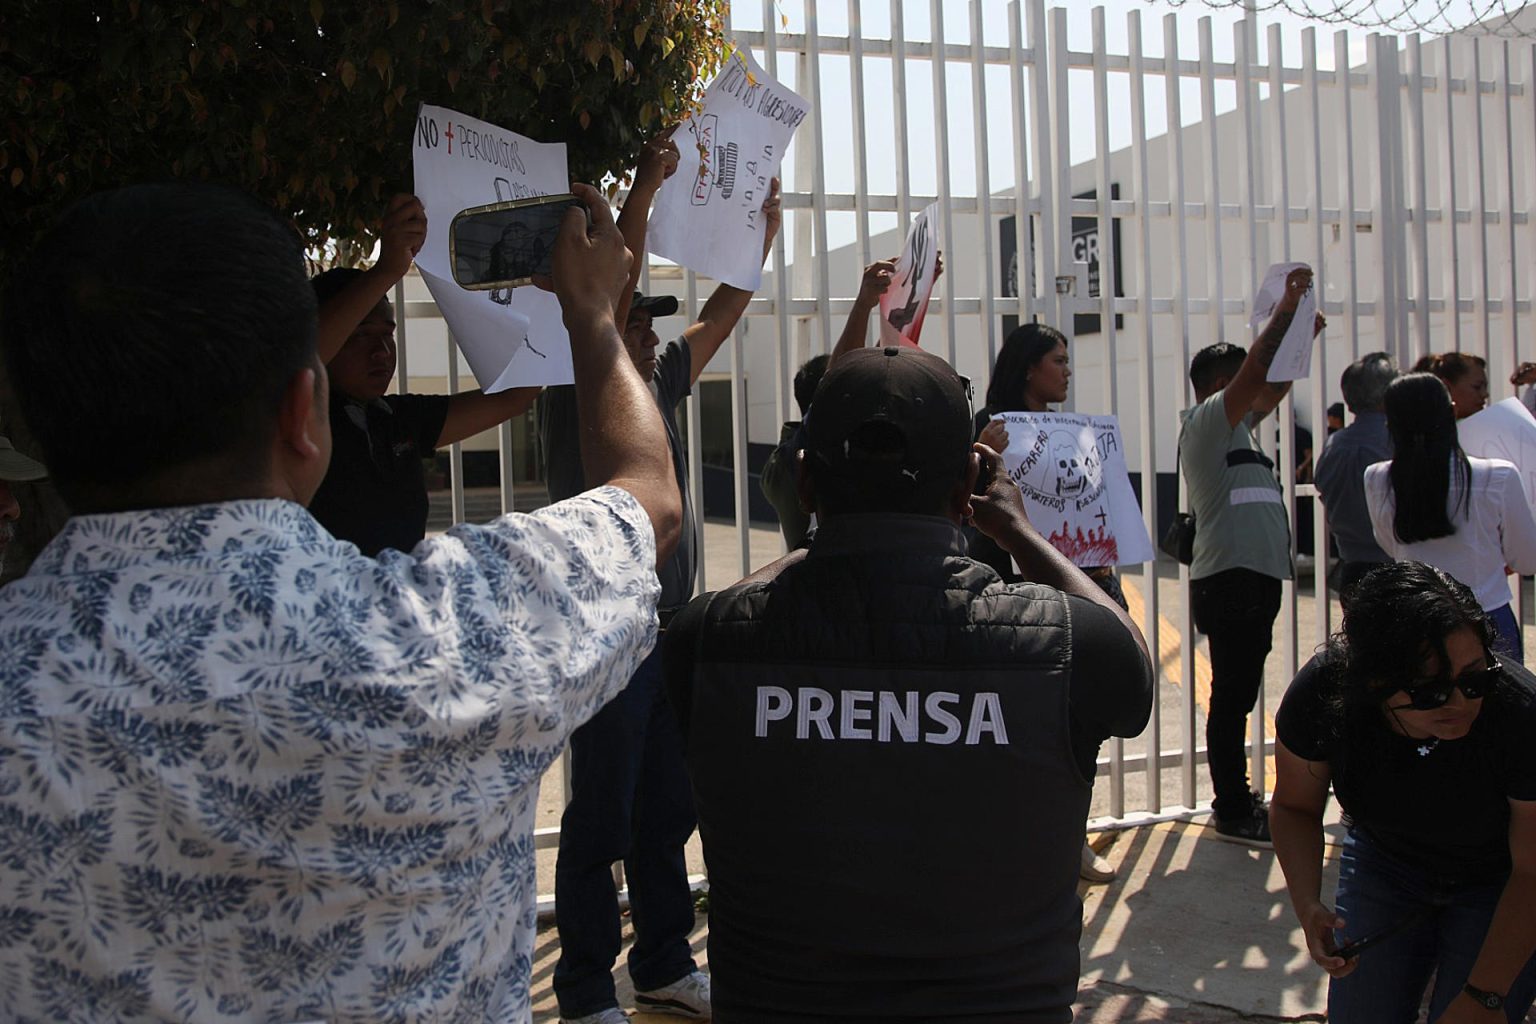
{"points": [[1086, 247]]}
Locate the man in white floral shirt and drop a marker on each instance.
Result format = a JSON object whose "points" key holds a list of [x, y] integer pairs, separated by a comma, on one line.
{"points": [[247, 774]]}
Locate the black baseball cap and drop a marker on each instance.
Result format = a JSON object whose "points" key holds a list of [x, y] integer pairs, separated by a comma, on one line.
{"points": [[889, 429], [656, 305]]}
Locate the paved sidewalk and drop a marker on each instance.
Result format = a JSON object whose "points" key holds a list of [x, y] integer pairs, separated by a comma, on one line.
{"points": [[1195, 930]]}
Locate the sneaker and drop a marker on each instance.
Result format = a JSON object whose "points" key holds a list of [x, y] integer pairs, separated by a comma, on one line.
{"points": [[1094, 868], [1251, 828], [686, 997], [612, 1015]]}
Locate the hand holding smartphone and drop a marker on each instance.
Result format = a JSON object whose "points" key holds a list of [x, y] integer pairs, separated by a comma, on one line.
{"points": [[505, 245]]}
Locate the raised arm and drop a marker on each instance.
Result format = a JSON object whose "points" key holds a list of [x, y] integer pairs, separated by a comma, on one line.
{"points": [[718, 317], [1248, 391], [876, 280], [473, 411], [401, 235], [658, 161], [623, 442]]}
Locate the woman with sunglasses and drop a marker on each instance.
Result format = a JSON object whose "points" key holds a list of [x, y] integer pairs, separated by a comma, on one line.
{"points": [[1429, 742], [1433, 503]]}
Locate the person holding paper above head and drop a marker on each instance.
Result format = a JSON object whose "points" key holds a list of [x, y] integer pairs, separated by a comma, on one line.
{"points": [[375, 492], [1434, 503], [630, 798], [1242, 546]]}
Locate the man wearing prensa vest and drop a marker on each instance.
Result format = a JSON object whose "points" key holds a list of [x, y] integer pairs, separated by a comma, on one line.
{"points": [[878, 724]]}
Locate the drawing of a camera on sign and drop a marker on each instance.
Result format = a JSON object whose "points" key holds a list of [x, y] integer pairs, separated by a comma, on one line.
{"points": [[717, 163]]}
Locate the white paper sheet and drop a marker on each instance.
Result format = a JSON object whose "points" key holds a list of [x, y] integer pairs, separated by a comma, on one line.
{"points": [[1293, 361], [1071, 470], [1505, 430], [904, 305], [707, 216], [511, 338]]}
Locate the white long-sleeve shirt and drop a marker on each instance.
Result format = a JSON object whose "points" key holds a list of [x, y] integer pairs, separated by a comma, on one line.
{"points": [[1495, 529]]}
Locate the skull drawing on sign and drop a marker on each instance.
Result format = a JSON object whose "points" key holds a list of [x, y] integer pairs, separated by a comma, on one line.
{"points": [[1069, 474]]}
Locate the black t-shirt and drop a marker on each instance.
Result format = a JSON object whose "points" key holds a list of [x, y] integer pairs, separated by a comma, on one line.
{"points": [[560, 439], [1446, 810], [375, 492]]}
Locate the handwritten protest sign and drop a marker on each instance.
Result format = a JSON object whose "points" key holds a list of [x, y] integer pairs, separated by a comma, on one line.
{"points": [[1293, 360], [905, 303], [1504, 431], [511, 337], [1071, 471], [707, 216]]}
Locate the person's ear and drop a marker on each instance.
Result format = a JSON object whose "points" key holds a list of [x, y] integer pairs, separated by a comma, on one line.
{"points": [[960, 498], [805, 487], [302, 418]]}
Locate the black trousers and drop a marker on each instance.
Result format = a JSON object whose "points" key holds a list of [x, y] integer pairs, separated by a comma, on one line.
{"points": [[1236, 610]]}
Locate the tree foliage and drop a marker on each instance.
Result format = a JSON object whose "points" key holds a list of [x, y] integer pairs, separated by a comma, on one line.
{"points": [[310, 104]]}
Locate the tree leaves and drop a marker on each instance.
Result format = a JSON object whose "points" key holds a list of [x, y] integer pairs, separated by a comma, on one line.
{"points": [[310, 103]]}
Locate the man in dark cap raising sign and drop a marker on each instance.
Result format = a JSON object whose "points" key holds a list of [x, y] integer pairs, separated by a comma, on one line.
{"points": [[879, 722]]}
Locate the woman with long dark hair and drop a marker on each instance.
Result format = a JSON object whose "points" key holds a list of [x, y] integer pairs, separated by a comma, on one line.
{"points": [[1030, 375], [1434, 503], [1428, 739]]}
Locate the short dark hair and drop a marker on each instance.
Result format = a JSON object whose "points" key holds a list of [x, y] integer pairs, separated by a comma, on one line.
{"points": [[155, 326], [1364, 382], [1215, 361], [1427, 460], [1022, 351], [806, 379]]}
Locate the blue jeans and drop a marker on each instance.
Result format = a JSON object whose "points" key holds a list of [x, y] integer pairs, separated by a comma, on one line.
{"points": [[1509, 642], [630, 801], [1377, 890]]}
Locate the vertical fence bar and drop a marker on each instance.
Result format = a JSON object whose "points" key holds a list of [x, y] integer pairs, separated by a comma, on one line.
{"points": [[860, 144], [1147, 380], [695, 439], [1383, 92], [1179, 263], [455, 450], [1346, 148], [1290, 590], [1106, 309], [1044, 248], [1419, 246], [819, 180], [402, 374], [1061, 157], [739, 476], [1320, 375], [1214, 262], [899, 94], [1510, 305], [940, 70], [1450, 238], [1480, 203], [782, 368], [983, 183], [1024, 258]]}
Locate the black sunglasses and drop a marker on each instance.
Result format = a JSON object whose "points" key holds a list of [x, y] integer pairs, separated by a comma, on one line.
{"points": [[1427, 696]]}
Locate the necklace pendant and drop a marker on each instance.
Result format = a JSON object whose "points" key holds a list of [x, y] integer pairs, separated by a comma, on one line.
{"points": [[1426, 748]]}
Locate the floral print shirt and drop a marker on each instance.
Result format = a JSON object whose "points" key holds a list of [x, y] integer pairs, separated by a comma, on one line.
{"points": [[247, 774]]}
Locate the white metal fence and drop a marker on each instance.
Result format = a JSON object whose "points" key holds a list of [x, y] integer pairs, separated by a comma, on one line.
{"points": [[1403, 170]]}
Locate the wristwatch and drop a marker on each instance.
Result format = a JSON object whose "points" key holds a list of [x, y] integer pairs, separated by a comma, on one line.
{"points": [[1487, 1000]]}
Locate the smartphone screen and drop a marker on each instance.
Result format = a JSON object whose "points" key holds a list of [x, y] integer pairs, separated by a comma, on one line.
{"points": [[504, 245]]}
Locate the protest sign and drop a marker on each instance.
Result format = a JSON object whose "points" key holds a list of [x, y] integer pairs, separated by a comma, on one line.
{"points": [[511, 337], [1293, 361], [1077, 492], [1504, 431], [707, 216], [905, 303]]}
